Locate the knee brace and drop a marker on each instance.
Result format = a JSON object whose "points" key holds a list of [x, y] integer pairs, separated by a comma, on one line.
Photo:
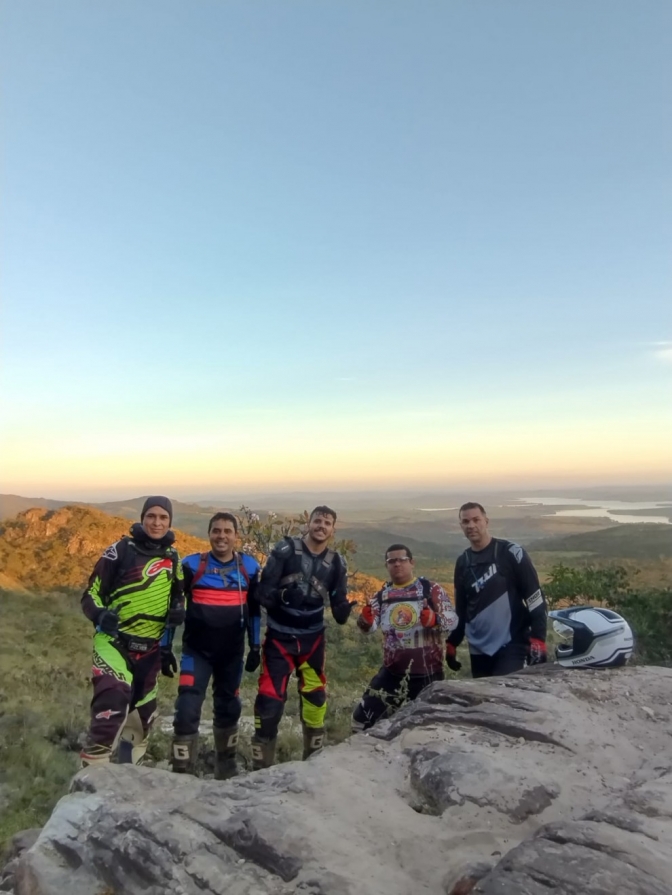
{"points": [[133, 740], [267, 715]]}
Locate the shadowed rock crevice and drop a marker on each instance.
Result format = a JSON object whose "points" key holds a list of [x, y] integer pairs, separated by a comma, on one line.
{"points": [[495, 719]]}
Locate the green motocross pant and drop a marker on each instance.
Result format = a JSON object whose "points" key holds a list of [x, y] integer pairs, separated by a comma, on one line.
{"points": [[124, 680]]}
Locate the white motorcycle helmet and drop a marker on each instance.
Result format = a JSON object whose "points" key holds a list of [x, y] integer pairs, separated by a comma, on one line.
{"points": [[592, 637]]}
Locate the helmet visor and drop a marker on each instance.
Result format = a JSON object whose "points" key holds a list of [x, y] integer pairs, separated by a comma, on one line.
{"points": [[563, 631]]}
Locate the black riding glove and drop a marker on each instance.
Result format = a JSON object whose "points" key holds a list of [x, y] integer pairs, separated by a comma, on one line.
{"points": [[253, 659], [292, 596], [341, 611], [168, 662], [107, 621], [451, 658], [175, 616]]}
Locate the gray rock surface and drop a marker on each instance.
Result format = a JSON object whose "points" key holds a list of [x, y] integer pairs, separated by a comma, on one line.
{"points": [[19, 843], [542, 782]]}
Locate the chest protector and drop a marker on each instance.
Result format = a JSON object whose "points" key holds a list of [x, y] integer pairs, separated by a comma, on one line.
{"points": [[313, 573]]}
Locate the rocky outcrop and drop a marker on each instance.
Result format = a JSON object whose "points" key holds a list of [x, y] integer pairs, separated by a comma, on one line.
{"points": [[543, 782]]}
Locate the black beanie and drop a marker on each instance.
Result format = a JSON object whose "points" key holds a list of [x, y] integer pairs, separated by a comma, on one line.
{"points": [[162, 502]]}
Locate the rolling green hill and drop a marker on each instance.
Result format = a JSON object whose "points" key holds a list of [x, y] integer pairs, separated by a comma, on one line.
{"points": [[632, 541], [431, 559]]}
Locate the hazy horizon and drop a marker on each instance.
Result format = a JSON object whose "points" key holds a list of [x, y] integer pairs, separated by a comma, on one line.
{"points": [[581, 490]]}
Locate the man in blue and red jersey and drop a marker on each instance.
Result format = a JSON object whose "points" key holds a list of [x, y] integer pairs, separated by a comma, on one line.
{"points": [[221, 606], [414, 615]]}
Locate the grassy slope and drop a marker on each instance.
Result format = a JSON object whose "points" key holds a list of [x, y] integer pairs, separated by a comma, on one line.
{"points": [[45, 666]]}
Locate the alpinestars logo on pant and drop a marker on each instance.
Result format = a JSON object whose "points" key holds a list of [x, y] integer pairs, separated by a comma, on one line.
{"points": [[107, 714]]}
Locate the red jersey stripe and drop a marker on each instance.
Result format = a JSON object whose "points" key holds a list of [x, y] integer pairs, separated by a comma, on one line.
{"points": [[208, 597]]}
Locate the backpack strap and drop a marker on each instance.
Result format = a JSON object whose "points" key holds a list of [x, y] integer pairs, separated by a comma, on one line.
{"points": [[329, 558], [383, 591], [427, 592], [292, 578], [200, 571], [240, 565]]}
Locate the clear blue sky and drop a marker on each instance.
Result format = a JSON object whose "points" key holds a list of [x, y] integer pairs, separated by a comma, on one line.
{"points": [[301, 243]]}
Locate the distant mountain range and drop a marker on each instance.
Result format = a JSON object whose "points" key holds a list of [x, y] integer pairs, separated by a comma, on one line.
{"points": [[434, 537], [191, 518]]}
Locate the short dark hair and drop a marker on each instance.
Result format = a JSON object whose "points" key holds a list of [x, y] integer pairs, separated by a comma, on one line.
{"points": [[323, 511], [398, 547], [223, 517], [472, 505]]}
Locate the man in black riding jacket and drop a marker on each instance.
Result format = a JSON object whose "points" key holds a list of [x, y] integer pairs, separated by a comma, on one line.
{"points": [[499, 601], [301, 575]]}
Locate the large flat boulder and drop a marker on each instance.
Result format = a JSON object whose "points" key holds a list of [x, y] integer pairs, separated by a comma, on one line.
{"points": [[543, 782]]}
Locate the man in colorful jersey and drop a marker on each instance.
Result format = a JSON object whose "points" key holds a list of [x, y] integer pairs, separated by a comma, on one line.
{"points": [[499, 602], [221, 605], [135, 590], [299, 578], [415, 615]]}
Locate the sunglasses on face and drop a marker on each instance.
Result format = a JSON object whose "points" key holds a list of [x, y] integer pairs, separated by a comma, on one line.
{"points": [[397, 559]]}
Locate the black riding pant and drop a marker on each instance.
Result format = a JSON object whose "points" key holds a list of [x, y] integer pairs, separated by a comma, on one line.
{"points": [[225, 667], [506, 660], [387, 692]]}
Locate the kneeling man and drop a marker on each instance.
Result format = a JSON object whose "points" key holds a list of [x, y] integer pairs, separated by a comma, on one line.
{"points": [[415, 616]]}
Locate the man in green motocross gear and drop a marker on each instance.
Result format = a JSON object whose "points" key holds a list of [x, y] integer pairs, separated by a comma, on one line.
{"points": [[134, 592]]}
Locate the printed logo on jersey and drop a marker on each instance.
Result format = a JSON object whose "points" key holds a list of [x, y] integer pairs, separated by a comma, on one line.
{"points": [[158, 565], [111, 552], [535, 600], [479, 583], [517, 552], [107, 714], [403, 616]]}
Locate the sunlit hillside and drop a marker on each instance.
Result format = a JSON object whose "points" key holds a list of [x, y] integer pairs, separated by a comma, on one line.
{"points": [[45, 549]]}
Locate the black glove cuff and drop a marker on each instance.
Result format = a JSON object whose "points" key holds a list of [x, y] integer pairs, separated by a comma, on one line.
{"points": [[341, 612]]}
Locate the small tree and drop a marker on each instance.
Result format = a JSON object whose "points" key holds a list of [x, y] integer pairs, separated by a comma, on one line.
{"points": [[591, 584], [258, 535], [649, 613]]}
